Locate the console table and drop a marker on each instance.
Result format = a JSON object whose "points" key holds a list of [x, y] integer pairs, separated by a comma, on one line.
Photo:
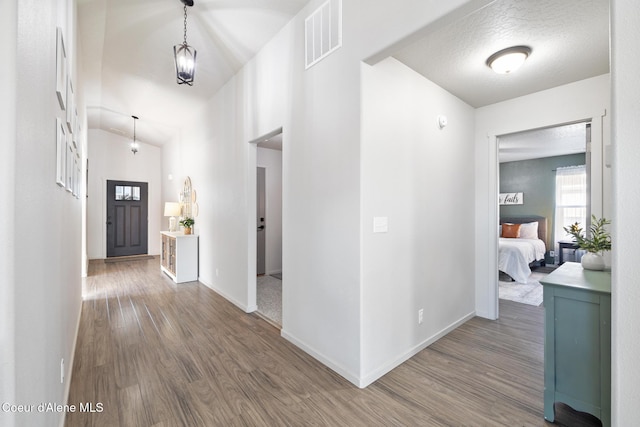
{"points": [[577, 341], [179, 256]]}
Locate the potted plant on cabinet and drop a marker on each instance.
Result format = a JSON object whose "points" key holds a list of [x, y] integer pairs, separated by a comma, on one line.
{"points": [[187, 223], [595, 244]]}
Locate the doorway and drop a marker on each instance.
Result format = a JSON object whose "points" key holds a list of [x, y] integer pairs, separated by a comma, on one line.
{"points": [[268, 223], [533, 168], [127, 218]]}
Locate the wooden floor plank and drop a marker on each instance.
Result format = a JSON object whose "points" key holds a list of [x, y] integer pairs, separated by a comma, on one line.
{"points": [[159, 354]]}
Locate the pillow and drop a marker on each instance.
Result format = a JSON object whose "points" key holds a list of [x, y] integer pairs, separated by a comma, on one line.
{"points": [[511, 231], [529, 230]]}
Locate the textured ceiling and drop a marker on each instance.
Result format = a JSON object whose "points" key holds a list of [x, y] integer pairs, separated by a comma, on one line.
{"points": [[126, 54], [548, 142], [569, 38]]}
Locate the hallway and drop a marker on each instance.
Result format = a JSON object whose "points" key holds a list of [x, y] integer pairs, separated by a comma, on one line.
{"points": [[154, 353]]}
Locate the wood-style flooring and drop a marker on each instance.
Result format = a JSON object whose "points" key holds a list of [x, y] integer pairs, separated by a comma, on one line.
{"points": [[154, 353]]}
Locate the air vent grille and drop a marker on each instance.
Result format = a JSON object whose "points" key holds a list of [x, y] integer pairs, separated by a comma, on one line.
{"points": [[323, 32]]}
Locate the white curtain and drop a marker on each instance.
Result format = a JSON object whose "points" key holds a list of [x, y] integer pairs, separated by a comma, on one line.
{"points": [[571, 200]]}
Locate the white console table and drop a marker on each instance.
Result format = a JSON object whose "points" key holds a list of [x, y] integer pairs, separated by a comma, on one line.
{"points": [[179, 256]]}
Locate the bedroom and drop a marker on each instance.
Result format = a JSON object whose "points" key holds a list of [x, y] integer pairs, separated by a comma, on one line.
{"points": [[543, 187]]}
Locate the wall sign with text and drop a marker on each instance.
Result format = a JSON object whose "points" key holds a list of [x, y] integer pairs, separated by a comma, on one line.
{"points": [[511, 198]]}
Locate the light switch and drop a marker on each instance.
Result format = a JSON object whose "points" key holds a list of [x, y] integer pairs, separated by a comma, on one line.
{"points": [[380, 224]]}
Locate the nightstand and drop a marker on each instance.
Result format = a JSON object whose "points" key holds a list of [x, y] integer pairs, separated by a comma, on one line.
{"points": [[565, 245]]}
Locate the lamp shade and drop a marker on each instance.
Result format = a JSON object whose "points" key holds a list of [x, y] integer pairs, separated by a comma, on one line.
{"points": [[185, 58], [172, 209]]}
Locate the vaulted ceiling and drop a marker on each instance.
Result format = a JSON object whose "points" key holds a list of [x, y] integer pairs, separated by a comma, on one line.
{"points": [[126, 53]]}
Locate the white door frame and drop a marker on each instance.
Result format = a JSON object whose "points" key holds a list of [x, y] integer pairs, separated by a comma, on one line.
{"points": [[597, 161], [252, 232]]}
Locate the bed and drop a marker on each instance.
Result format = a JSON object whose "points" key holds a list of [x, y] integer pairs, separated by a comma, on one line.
{"points": [[517, 254]]}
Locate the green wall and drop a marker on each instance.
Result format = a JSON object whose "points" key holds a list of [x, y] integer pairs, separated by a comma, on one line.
{"points": [[537, 180]]}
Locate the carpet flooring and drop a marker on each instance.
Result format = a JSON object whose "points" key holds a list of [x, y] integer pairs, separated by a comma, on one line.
{"points": [[526, 293], [269, 295]]}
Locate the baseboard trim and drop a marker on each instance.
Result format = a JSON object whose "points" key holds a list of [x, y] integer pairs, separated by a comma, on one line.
{"points": [[269, 273], [370, 378], [69, 373], [336, 367], [486, 315], [244, 307]]}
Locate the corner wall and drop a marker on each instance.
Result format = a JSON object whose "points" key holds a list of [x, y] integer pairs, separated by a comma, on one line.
{"points": [[420, 177], [213, 153], [625, 292]]}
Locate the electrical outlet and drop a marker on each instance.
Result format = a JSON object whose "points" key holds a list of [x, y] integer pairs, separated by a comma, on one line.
{"points": [[420, 316], [62, 371], [552, 254]]}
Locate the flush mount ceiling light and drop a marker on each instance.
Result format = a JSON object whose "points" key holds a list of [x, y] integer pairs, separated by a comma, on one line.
{"points": [[185, 55], [134, 144], [508, 60]]}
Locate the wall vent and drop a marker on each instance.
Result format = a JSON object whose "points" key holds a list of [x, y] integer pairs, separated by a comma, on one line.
{"points": [[323, 32]]}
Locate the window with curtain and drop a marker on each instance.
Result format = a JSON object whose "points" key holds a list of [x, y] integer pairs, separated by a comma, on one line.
{"points": [[571, 200]]}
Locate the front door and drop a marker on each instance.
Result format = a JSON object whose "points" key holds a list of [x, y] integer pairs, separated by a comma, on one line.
{"points": [[126, 218]]}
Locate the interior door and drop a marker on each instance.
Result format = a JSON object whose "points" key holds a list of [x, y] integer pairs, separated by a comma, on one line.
{"points": [[260, 222], [127, 219]]}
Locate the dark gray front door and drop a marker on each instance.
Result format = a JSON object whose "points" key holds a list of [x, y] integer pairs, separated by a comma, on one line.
{"points": [[126, 218]]}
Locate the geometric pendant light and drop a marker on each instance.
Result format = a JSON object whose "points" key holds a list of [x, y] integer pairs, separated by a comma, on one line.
{"points": [[185, 55], [134, 143]]}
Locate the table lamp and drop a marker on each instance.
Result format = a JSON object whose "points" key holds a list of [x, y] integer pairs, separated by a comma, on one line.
{"points": [[172, 210]]}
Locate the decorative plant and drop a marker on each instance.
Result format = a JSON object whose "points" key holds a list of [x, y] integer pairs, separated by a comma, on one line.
{"points": [[599, 240], [187, 222]]}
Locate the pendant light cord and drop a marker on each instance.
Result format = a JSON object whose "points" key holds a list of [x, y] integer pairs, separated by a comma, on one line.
{"points": [[185, 25]]}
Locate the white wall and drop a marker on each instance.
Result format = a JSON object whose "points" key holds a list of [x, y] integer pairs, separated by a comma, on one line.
{"points": [[319, 111], [586, 99], [211, 151], [8, 74], [110, 158], [43, 234], [271, 160], [625, 57], [421, 178], [320, 169]]}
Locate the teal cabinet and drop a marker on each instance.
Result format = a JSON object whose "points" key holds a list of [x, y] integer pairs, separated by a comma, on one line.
{"points": [[577, 341]]}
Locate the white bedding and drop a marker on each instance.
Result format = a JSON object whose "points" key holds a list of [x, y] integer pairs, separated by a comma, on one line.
{"points": [[514, 256]]}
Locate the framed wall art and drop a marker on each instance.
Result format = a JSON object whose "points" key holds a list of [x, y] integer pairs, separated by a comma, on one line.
{"points": [[69, 165], [61, 69], [511, 198], [70, 106], [61, 152]]}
